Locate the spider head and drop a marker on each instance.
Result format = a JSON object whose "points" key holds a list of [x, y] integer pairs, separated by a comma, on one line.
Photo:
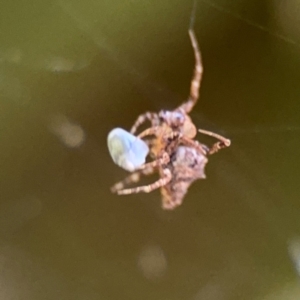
{"points": [[178, 119], [172, 118]]}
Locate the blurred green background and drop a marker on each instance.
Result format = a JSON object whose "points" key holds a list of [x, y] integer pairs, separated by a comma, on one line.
{"points": [[70, 71]]}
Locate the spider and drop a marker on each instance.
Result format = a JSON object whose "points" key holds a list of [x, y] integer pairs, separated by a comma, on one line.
{"points": [[179, 159]]}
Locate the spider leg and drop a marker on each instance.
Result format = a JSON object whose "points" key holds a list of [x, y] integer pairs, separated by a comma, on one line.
{"points": [[148, 116], [148, 188], [132, 178], [158, 162], [156, 130], [223, 142], [150, 131], [203, 149], [198, 71]]}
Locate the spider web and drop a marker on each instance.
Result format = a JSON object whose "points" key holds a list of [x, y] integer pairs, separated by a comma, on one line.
{"points": [[160, 96], [240, 175]]}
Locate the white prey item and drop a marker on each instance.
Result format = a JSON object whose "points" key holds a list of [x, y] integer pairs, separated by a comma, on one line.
{"points": [[126, 150]]}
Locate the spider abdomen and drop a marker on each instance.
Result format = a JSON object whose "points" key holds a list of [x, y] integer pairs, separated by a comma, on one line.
{"points": [[187, 165]]}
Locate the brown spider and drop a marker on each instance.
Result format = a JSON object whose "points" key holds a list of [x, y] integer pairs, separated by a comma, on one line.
{"points": [[179, 159]]}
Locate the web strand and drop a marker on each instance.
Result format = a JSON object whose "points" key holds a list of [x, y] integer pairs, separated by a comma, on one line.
{"points": [[193, 15], [247, 21]]}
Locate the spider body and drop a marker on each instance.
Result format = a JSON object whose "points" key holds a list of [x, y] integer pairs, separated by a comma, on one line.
{"points": [[186, 166], [177, 156]]}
